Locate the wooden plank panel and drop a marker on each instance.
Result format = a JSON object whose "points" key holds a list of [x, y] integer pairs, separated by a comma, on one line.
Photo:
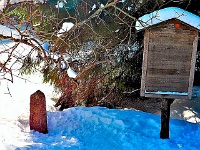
{"points": [[162, 56], [160, 85], [172, 44], [169, 59], [167, 83], [166, 96], [171, 83], [156, 58], [171, 30], [175, 77], [171, 71], [177, 36], [168, 79], [169, 53], [168, 41], [168, 65], [167, 88], [184, 47]]}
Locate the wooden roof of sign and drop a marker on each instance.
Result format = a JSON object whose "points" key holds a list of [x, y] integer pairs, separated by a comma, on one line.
{"points": [[165, 14]]}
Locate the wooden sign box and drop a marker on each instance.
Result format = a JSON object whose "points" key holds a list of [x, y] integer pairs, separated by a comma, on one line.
{"points": [[169, 60]]}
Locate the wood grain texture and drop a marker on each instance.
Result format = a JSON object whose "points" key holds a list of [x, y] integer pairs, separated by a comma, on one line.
{"points": [[169, 59], [144, 64], [192, 69]]}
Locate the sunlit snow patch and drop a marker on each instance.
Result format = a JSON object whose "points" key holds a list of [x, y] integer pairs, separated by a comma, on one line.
{"points": [[60, 5], [94, 7], [71, 73], [65, 27]]}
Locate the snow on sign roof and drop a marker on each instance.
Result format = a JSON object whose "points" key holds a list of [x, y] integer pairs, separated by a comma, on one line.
{"points": [[166, 14]]}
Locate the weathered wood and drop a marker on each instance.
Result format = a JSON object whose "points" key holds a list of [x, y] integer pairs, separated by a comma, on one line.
{"points": [[166, 41], [170, 72], [166, 96], [165, 117], [144, 63], [168, 27], [166, 83], [169, 58], [166, 79], [169, 65], [161, 88], [38, 116], [192, 69]]}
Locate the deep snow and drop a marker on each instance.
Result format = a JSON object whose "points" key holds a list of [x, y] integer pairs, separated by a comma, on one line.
{"points": [[82, 128], [99, 128]]}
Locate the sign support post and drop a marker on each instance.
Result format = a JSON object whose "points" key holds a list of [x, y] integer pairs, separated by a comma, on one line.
{"points": [[165, 117]]}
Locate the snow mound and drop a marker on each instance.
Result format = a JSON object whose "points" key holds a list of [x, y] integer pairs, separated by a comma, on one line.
{"points": [[107, 129]]}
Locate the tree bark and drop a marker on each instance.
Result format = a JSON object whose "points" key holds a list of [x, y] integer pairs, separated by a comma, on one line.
{"points": [[165, 118]]}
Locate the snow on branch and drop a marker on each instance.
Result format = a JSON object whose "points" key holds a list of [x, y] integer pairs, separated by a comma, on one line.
{"points": [[10, 33], [4, 3]]}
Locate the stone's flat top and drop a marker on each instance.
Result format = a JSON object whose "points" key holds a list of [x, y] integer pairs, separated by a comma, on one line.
{"points": [[165, 14]]}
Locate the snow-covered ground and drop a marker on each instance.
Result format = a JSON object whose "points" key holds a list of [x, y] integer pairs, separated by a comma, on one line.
{"points": [[93, 128], [96, 128], [86, 128]]}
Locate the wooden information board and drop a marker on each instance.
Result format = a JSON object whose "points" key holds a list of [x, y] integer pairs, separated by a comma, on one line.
{"points": [[169, 60]]}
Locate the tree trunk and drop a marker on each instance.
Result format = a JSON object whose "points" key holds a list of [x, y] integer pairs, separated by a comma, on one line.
{"points": [[165, 117]]}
